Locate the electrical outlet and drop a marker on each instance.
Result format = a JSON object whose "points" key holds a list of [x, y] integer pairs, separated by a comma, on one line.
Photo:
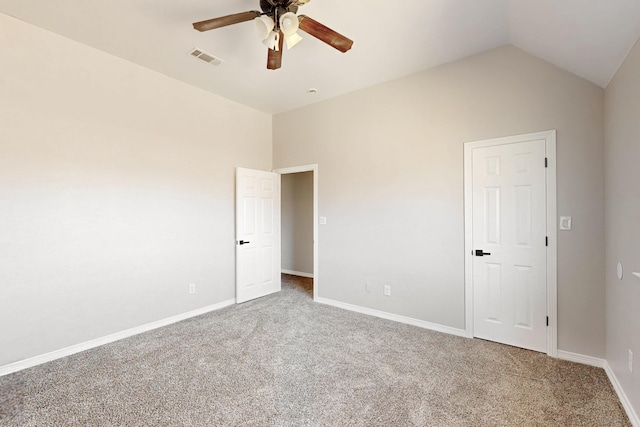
{"points": [[387, 290], [630, 361], [192, 288]]}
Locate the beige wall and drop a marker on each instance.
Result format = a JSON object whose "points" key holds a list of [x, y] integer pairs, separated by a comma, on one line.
{"points": [[297, 222], [391, 185], [116, 192], [116, 188], [622, 153]]}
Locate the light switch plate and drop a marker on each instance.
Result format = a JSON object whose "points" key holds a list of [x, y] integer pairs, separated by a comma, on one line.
{"points": [[323, 220], [565, 223]]}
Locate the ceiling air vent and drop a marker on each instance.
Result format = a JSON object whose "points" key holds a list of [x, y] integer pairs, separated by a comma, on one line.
{"points": [[210, 59]]}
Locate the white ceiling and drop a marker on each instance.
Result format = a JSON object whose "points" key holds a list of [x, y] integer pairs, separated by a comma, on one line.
{"points": [[589, 38]]}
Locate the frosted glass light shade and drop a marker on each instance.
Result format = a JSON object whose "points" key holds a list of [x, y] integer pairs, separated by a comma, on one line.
{"points": [[272, 41], [289, 25], [264, 26], [292, 40]]}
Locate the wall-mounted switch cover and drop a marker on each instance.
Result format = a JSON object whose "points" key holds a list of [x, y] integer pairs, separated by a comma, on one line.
{"points": [[565, 223], [323, 220]]}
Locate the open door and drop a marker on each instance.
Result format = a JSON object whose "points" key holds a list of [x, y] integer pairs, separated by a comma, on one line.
{"points": [[257, 234]]}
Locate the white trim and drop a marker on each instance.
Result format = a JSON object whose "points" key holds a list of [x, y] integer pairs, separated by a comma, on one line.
{"points": [[581, 358], [552, 250], [624, 400], [394, 317], [602, 363], [310, 168], [77, 348], [468, 241], [297, 273]]}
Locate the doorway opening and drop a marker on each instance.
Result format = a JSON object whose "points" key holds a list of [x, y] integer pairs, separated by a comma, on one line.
{"points": [[299, 231]]}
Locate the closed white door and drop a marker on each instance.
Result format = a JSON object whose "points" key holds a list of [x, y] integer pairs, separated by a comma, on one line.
{"points": [[509, 244], [257, 234]]}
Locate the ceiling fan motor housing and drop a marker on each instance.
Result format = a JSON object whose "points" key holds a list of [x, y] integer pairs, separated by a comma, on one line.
{"points": [[270, 9]]}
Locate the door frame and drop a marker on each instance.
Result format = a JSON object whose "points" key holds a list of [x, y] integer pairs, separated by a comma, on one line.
{"points": [[309, 168], [552, 250]]}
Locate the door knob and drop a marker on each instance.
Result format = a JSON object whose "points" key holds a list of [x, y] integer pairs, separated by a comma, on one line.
{"points": [[243, 242], [479, 252]]}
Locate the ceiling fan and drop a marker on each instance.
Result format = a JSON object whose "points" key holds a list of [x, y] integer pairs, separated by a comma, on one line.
{"points": [[277, 23]]}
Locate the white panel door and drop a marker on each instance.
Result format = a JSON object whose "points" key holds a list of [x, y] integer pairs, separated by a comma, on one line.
{"points": [[257, 234], [509, 242]]}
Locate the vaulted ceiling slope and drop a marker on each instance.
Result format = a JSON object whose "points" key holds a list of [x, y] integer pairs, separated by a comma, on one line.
{"points": [[589, 38]]}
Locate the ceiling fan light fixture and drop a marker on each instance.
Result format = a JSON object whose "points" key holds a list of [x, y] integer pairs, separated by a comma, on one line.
{"points": [[264, 26], [289, 25], [292, 40], [272, 41]]}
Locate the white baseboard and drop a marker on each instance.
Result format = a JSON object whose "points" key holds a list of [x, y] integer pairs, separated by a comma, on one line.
{"points": [[394, 317], [77, 348], [297, 273], [68, 351], [581, 358], [564, 355], [626, 403], [602, 363]]}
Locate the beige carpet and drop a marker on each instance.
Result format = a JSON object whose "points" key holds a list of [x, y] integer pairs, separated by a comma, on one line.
{"points": [[285, 361]]}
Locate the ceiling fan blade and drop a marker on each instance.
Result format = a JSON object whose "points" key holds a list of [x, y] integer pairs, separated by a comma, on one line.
{"points": [[324, 33], [274, 57], [223, 21]]}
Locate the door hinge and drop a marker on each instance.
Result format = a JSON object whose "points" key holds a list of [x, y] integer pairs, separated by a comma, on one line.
{"points": [[547, 320], [546, 241], [546, 162]]}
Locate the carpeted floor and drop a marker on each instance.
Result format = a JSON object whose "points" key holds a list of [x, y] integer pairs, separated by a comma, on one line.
{"points": [[283, 360]]}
